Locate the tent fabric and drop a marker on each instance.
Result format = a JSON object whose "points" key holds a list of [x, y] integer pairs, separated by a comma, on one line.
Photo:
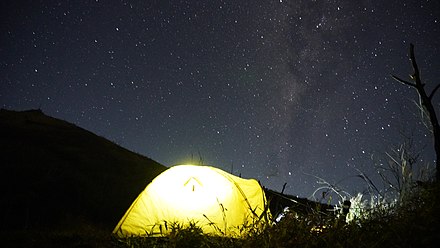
{"points": [[214, 200]]}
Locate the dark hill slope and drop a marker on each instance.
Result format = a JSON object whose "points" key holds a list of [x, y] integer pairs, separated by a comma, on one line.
{"points": [[54, 174]]}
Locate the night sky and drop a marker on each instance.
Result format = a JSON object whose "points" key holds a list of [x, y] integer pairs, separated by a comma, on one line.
{"points": [[280, 91]]}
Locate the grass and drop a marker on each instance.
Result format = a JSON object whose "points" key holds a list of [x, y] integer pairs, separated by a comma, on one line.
{"points": [[412, 222]]}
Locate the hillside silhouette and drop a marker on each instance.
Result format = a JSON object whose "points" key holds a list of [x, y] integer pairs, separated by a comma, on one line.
{"points": [[56, 175]]}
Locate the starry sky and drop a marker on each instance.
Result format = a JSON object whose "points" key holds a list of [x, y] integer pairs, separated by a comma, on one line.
{"points": [[277, 90]]}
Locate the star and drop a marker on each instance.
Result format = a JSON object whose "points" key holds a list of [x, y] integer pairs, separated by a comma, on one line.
{"points": [[284, 91]]}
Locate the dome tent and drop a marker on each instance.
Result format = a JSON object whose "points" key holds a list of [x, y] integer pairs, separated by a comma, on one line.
{"points": [[216, 201]]}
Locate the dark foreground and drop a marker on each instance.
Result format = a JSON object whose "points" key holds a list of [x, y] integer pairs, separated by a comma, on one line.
{"points": [[416, 223]]}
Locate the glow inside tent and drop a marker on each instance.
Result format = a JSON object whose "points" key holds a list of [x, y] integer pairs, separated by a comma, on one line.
{"points": [[216, 201]]}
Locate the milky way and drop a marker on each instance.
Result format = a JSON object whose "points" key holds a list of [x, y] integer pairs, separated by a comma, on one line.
{"points": [[280, 91]]}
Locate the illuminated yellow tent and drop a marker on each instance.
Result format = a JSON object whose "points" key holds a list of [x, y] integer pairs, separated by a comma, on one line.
{"points": [[216, 201]]}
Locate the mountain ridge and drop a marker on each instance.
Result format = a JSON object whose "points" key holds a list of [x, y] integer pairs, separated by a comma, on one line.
{"points": [[55, 174]]}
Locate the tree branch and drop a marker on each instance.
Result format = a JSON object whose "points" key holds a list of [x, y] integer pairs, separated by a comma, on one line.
{"points": [[416, 74], [403, 81]]}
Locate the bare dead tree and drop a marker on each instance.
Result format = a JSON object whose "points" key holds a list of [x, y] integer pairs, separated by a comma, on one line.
{"points": [[425, 105]]}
